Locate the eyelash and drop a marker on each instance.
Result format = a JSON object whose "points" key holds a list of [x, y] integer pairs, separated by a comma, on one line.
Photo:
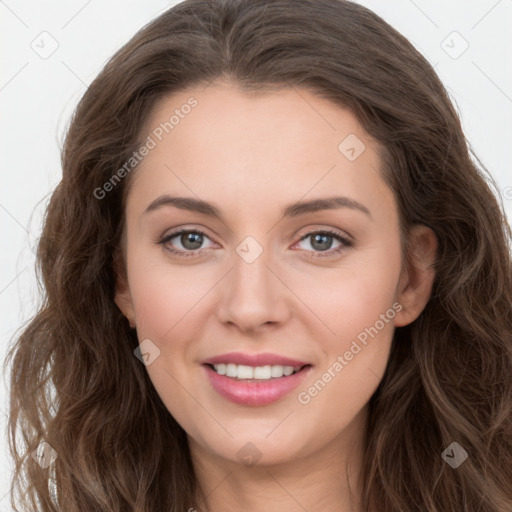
{"points": [[316, 254]]}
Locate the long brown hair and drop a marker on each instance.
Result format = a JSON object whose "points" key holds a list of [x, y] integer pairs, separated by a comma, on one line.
{"points": [[75, 383]]}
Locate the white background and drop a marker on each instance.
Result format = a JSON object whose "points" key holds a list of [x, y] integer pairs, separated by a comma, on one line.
{"points": [[38, 95]]}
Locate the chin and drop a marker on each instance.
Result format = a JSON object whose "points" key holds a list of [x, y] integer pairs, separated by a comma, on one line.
{"points": [[259, 448]]}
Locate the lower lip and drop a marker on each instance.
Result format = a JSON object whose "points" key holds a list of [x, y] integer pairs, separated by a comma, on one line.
{"points": [[255, 393]]}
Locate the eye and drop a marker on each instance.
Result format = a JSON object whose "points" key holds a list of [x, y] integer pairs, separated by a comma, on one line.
{"points": [[322, 241], [187, 241]]}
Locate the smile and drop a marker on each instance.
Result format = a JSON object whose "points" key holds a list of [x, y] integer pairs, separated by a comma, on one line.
{"points": [[254, 386]]}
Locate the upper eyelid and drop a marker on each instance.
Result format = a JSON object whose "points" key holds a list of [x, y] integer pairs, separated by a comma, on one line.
{"points": [[336, 231]]}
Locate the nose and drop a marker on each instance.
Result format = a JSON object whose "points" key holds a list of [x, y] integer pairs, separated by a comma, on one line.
{"points": [[252, 295]]}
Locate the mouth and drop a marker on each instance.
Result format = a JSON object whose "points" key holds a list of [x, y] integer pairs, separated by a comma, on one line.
{"points": [[255, 385]]}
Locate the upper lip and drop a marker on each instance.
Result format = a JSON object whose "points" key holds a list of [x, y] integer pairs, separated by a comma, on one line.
{"points": [[254, 360]]}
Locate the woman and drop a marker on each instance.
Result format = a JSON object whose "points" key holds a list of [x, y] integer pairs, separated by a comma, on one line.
{"points": [[275, 280]]}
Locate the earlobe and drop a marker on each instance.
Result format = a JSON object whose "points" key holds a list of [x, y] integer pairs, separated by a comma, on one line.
{"points": [[417, 276], [122, 297], [124, 303]]}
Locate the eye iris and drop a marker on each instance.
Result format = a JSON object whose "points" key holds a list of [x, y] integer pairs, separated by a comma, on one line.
{"points": [[195, 239], [324, 239]]}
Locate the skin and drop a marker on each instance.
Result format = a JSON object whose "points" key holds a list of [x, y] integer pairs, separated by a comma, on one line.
{"points": [[252, 154]]}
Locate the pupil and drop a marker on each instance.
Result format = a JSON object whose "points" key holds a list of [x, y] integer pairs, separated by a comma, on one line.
{"points": [[325, 239], [191, 240]]}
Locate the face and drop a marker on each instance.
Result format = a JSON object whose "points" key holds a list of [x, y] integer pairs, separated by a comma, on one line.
{"points": [[294, 262]]}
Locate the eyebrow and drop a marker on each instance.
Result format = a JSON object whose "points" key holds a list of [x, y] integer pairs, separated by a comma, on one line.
{"points": [[292, 210]]}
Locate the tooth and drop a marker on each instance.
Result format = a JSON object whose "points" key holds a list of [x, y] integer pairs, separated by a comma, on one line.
{"points": [[288, 370], [276, 370], [262, 372], [220, 369], [231, 370], [245, 372], [257, 372]]}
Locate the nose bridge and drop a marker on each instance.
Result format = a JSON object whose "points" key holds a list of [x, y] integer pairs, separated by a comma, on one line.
{"points": [[251, 266], [252, 295]]}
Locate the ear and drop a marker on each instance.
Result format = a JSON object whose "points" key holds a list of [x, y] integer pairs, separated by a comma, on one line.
{"points": [[122, 297], [417, 275]]}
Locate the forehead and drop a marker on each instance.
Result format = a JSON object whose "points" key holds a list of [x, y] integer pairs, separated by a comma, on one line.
{"points": [[238, 146], [274, 121]]}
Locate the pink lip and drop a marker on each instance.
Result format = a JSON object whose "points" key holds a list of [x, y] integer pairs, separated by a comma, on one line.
{"points": [[252, 392], [254, 360]]}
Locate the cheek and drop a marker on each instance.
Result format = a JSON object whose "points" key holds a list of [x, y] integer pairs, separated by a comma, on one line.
{"points": [[360, 308], [355, 357], [165, 297], [166, 303], [159, 306], [357, 353], [357, 296]]}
